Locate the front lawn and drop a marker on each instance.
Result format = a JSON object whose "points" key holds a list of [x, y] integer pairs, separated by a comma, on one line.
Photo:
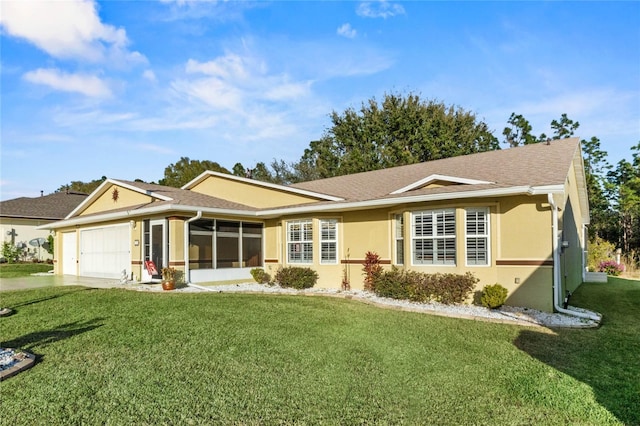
{"points": [[14, 270], [126, 357]]}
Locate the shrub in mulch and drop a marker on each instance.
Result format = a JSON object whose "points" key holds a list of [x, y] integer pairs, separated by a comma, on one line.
{"points": [[420, 287]]}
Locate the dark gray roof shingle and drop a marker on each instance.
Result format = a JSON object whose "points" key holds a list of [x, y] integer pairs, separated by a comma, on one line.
{"points": [[54, 206]]}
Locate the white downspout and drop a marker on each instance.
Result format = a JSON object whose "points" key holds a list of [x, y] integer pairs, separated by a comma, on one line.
{"points": [[186, 246], [557, 287]]}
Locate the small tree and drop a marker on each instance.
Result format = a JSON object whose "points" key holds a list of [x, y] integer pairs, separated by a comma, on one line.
{"points": [[372, 270], [11, 252], [49, 245]]}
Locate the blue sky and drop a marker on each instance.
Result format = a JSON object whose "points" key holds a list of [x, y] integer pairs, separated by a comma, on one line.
{"points": [[124, 88]]}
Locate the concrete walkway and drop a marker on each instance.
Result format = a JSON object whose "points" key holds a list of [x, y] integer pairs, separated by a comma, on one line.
{"points": [[50, 280]]}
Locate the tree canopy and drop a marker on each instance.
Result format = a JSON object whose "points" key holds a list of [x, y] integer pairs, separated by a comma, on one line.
{"points": [[397, 131], [185, 170], [79, 186]]}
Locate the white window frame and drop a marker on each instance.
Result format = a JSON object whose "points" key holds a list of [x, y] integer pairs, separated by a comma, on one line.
{"points": [[398, 221], [435, 237], [486, 235], [326, 242], [306, 239]]}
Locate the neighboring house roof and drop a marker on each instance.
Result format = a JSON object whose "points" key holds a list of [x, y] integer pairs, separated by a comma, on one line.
{"points": [[50, 207], [540, 168]]}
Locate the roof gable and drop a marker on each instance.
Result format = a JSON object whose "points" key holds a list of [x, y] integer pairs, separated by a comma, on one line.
{"points": [[436, 180], [114, 195]]}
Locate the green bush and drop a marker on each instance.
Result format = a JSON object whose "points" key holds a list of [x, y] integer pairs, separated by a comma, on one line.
{"points": [[421, 287], [393, 284], [296, 277], [598, 251], [11, 252], [493, 296], [260, 276]]}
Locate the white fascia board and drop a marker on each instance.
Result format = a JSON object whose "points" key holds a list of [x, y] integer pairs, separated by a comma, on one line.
{"points": [[437, 177], [196, 180], [129, 214], [500, 192], [142, 191], [101, 190], [263, 184], [545, 189]]}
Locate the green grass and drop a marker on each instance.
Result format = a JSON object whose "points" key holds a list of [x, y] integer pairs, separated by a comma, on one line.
{"points": [[125, 357], [14, 270]]}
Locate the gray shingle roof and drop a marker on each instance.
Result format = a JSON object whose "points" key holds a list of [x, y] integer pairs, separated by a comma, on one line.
{"points": [[531, 165], [53, 206]]}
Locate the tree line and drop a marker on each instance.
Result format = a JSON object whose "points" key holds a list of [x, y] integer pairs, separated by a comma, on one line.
{"points": [[405, 129]]}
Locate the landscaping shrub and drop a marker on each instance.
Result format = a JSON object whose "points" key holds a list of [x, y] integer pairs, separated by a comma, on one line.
{"points": [[421, 287], [372, 269], [599, 251], [11, 252], [493, 296], [260, 276], [611, 267], [296, 277], [394, 283]]}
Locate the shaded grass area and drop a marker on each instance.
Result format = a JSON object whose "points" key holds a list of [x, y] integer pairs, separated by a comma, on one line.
{"points": [[14, 270], [124, 357], [606, 359]]}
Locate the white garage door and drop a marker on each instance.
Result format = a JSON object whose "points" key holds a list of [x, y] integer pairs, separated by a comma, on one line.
{"points": [[104, 252]]}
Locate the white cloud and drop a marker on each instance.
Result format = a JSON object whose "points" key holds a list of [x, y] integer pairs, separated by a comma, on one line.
{"points": [[379, 9], [233, 82], [345, 30], [230, 66], [149, 75], [288, 91], [67, 30], [88, 85]]}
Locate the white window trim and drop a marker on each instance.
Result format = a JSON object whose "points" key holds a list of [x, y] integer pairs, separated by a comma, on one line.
{"points": [[454, 237], [335, 241], [399, 238], [487, 212], [302, 241]]}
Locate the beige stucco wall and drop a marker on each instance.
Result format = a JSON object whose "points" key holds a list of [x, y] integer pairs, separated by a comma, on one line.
{"points": [[25, 230], [105, 202], [525, 228], [249, 195], [535, 287], [520, 245]]}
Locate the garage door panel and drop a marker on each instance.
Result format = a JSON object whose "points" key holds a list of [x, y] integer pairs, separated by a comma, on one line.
{"points": [[105, 252]]}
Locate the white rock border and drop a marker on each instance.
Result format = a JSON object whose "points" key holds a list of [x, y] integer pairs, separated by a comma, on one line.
{"points": [[505, 314]]}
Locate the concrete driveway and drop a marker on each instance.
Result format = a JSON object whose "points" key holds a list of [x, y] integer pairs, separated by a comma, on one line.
{"points": [[50, 280]]}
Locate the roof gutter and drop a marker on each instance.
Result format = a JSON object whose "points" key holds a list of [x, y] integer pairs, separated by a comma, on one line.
{"points": [[557, 279], [81, 220], [187, 275], [311, 208], [383, 202]]}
